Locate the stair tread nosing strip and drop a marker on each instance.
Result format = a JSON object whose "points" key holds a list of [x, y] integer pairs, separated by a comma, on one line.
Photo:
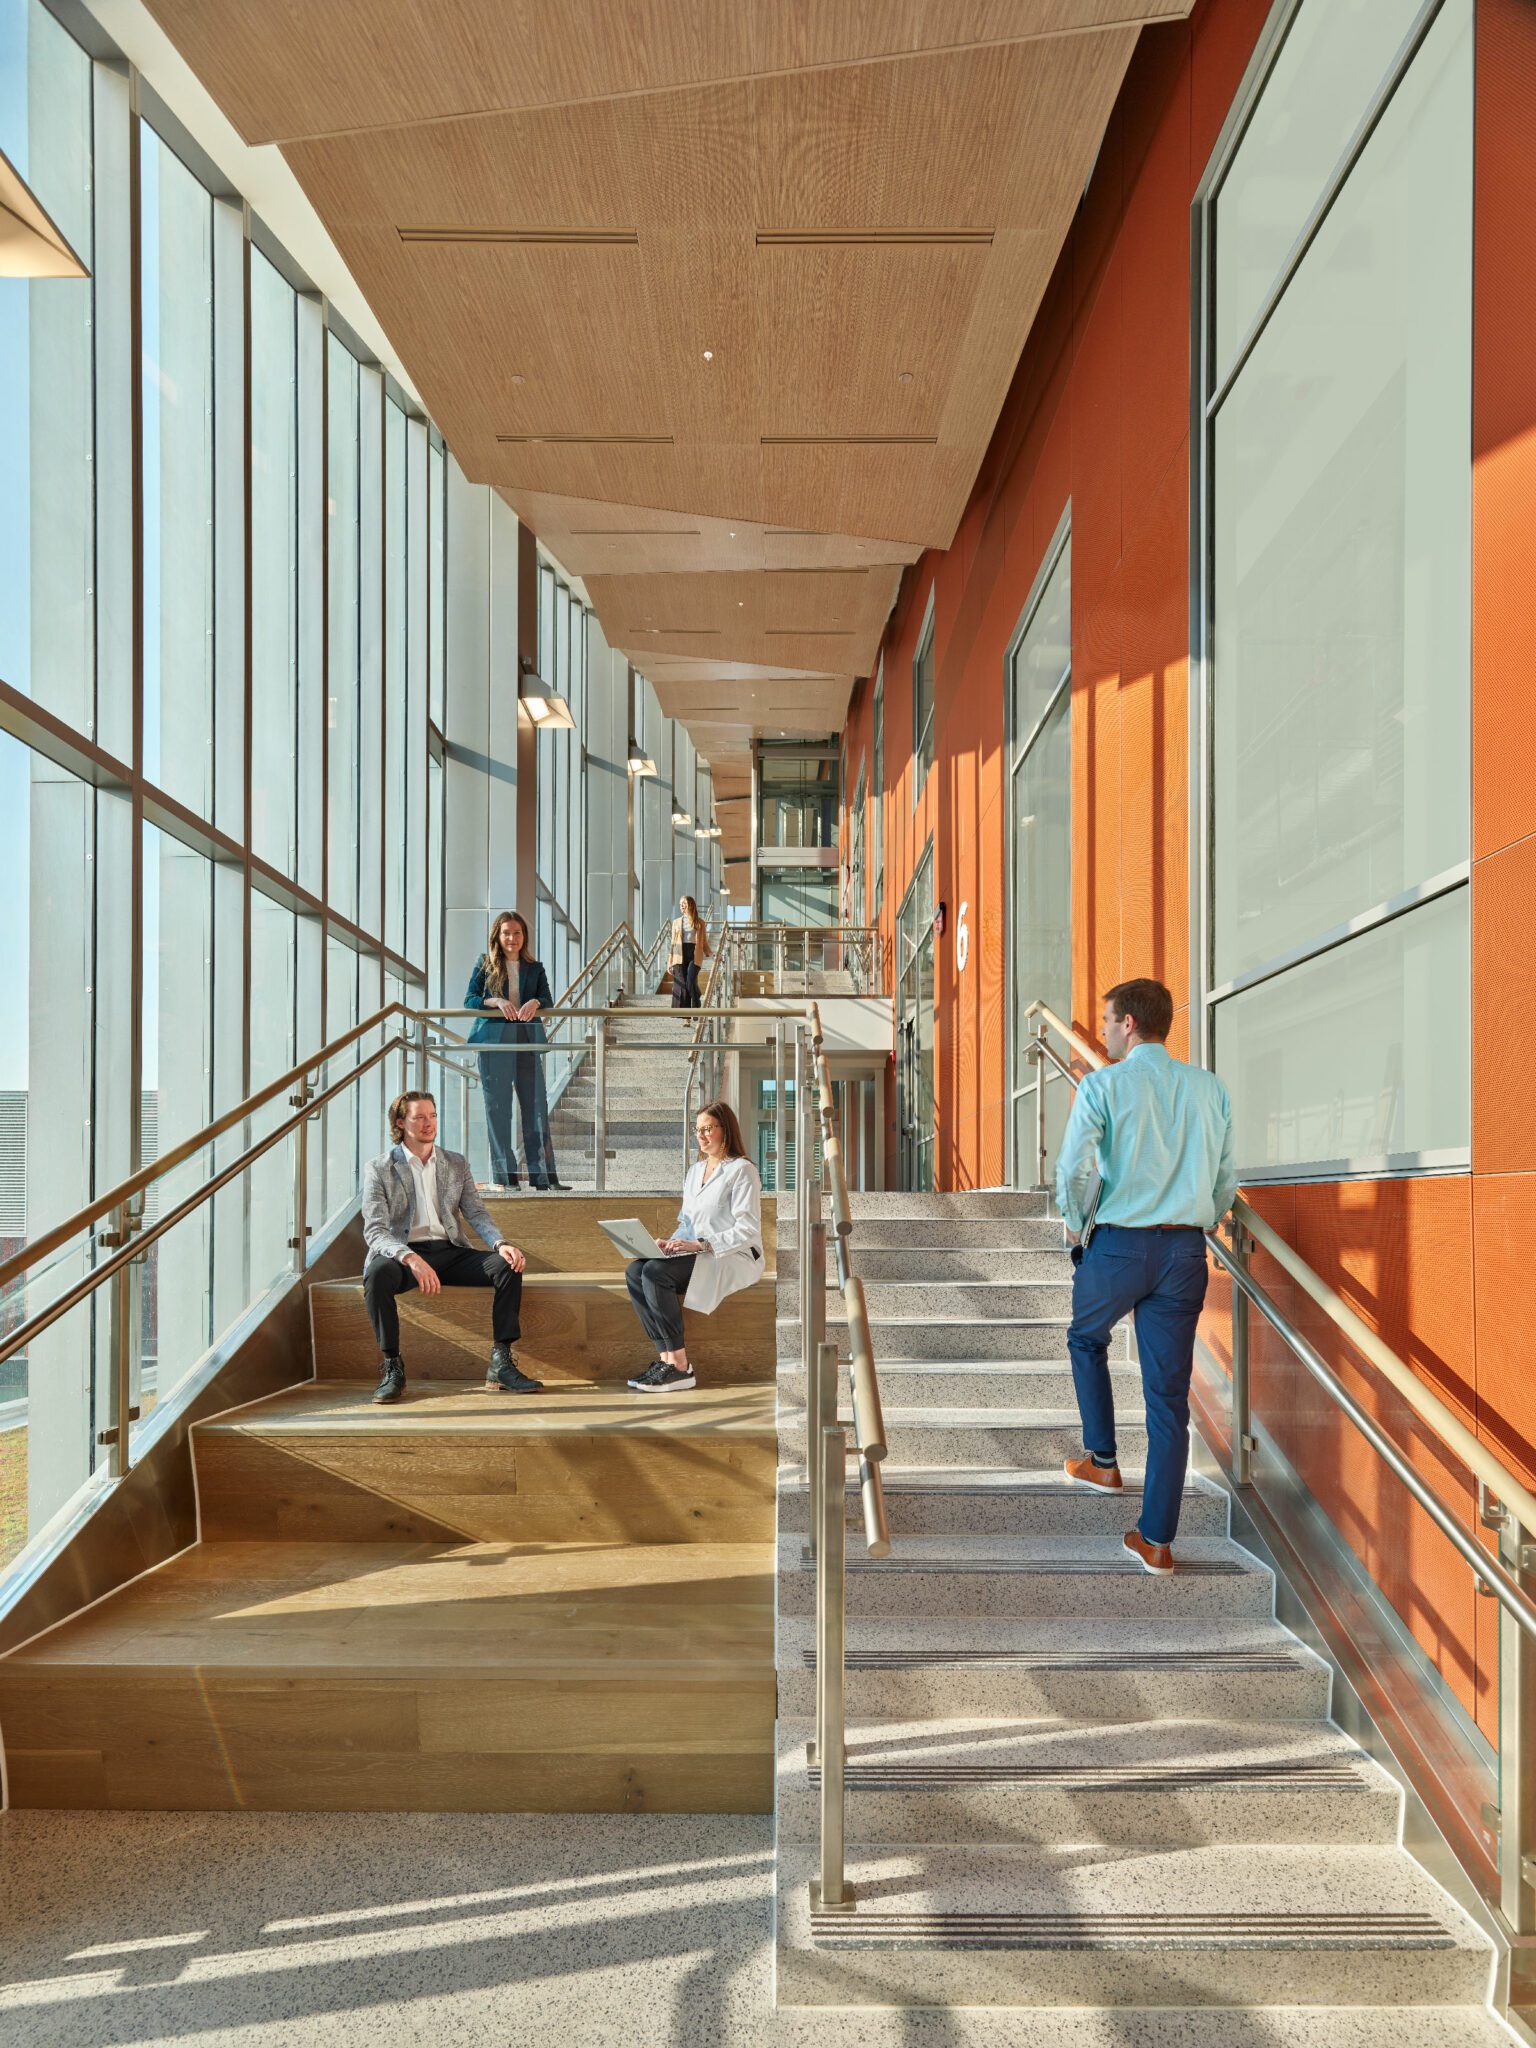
{"points": [[1300, 1773], [872, 1927], [1067, 1660], [1052, 1567]]}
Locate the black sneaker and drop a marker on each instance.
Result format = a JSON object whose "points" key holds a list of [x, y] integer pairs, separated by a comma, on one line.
{"points": [[391, 1380], [667, 1380], [503, 1375], [640, 1381]]}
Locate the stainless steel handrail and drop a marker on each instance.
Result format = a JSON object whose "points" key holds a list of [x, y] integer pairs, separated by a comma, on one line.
{"points": [[1424, 1402], [146, 1234], [1506, 1505], [826, 1443], [126, 1191]]}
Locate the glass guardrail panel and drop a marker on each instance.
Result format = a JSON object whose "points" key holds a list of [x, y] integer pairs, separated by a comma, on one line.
{"points": [[55, 1398]]}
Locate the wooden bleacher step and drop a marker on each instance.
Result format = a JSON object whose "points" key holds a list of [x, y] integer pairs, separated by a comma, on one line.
{"points": [[466, 1602]]}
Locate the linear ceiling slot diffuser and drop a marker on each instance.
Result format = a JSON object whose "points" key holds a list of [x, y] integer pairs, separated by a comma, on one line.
{"points": [[848, 441], [584, 440], [874, 238], [528, 238]]}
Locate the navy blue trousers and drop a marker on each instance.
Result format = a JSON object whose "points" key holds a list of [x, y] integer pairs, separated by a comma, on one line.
{"points": [[503, 1075], [1159, 1276]]}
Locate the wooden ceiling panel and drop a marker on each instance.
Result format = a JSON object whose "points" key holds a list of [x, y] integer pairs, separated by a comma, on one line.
{"points": [[283, 69], [791, 620], [593, 537], [801, 341], [724, 296]]}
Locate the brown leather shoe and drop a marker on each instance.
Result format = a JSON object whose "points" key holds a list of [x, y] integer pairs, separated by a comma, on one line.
{"points": [[1152, 1557], [1083, 1472]]}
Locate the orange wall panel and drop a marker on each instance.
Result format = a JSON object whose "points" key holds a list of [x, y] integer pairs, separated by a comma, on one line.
{"points": [[1504, 982], [1503, 424]]}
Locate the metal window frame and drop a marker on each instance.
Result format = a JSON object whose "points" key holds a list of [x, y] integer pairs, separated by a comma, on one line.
{"points": [[924, 865], [877, 786], [1209, 387], [922, 736], [1013, 761]]}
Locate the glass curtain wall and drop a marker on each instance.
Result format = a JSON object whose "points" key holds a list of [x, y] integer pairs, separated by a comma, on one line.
{"points": [[221, 842], [1338, 505], [1039, 689]]}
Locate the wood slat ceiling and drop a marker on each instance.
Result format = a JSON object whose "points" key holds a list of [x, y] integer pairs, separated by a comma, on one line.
{"points": [[283, 69], [718, 293]]}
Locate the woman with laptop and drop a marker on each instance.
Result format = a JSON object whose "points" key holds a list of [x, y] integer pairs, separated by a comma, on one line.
{"points": [[717, 1251]]}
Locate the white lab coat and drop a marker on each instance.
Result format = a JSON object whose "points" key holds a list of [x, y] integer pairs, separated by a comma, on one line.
{"points": [[727, 1214]]}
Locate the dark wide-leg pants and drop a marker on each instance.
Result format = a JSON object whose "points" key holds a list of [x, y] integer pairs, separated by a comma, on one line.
{"points": [[657, 1287], [685, 982], [456, 1266], [504, 1075]]}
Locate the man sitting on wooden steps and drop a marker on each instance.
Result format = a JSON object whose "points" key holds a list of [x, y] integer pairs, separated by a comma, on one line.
{"points": [[417, 1198]]}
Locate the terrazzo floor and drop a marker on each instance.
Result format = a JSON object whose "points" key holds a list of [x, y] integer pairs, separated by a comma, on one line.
{"points": [[651, 1931]]}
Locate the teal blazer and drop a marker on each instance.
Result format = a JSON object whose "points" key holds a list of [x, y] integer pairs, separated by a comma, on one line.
{"points": [[493, 1029]]}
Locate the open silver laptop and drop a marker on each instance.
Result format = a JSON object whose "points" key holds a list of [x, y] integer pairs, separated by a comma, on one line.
{"points": [[631, 1237]]}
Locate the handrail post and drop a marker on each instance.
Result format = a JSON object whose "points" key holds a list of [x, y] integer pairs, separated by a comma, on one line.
{"points": [[1517, 1740], [115, 1436], [298, 1244], [830, 1892], [780, 1180], [1241, 1430], [820, 1367], [600, 1104], [799, 1179], [1038, 1056]]}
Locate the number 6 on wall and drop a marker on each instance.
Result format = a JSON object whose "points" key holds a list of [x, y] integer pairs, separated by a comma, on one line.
{"points": [[962, 939]]}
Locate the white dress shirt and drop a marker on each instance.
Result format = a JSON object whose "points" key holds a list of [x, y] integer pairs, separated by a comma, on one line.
{"points": [[428, 1225]]}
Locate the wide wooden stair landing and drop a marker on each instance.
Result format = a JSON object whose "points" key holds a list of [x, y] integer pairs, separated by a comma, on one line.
{"points": [[468, 1602]]}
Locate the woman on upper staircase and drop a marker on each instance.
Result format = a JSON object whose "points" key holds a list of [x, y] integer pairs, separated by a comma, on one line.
{"points": [[690, 949]]}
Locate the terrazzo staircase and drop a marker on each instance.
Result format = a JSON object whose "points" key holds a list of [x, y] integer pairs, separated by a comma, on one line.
{"points": [[1072, 1789], [645, 1094]]}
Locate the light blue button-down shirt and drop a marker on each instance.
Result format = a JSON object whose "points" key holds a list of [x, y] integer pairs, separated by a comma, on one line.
{"points": [[1159, 1135]]}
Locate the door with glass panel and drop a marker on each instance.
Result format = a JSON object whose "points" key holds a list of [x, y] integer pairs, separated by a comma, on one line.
{"points": [[914, 1028], [1039, 684]]}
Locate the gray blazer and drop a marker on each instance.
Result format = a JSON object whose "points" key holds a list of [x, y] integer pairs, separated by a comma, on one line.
{"points": [[389, 1203]]}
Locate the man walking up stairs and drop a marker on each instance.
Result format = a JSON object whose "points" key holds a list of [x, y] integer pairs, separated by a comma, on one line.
{"points": [[1145, 1169]]}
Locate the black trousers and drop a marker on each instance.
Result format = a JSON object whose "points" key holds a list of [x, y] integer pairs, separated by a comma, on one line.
{"points": [[685, 982], [456, 1266], [503, 1075], [657, 1287]]}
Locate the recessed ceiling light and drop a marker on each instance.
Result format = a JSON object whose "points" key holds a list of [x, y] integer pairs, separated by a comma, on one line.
{"points": [[518, 378], [904, 377], [733, 533], [709, 355]]}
